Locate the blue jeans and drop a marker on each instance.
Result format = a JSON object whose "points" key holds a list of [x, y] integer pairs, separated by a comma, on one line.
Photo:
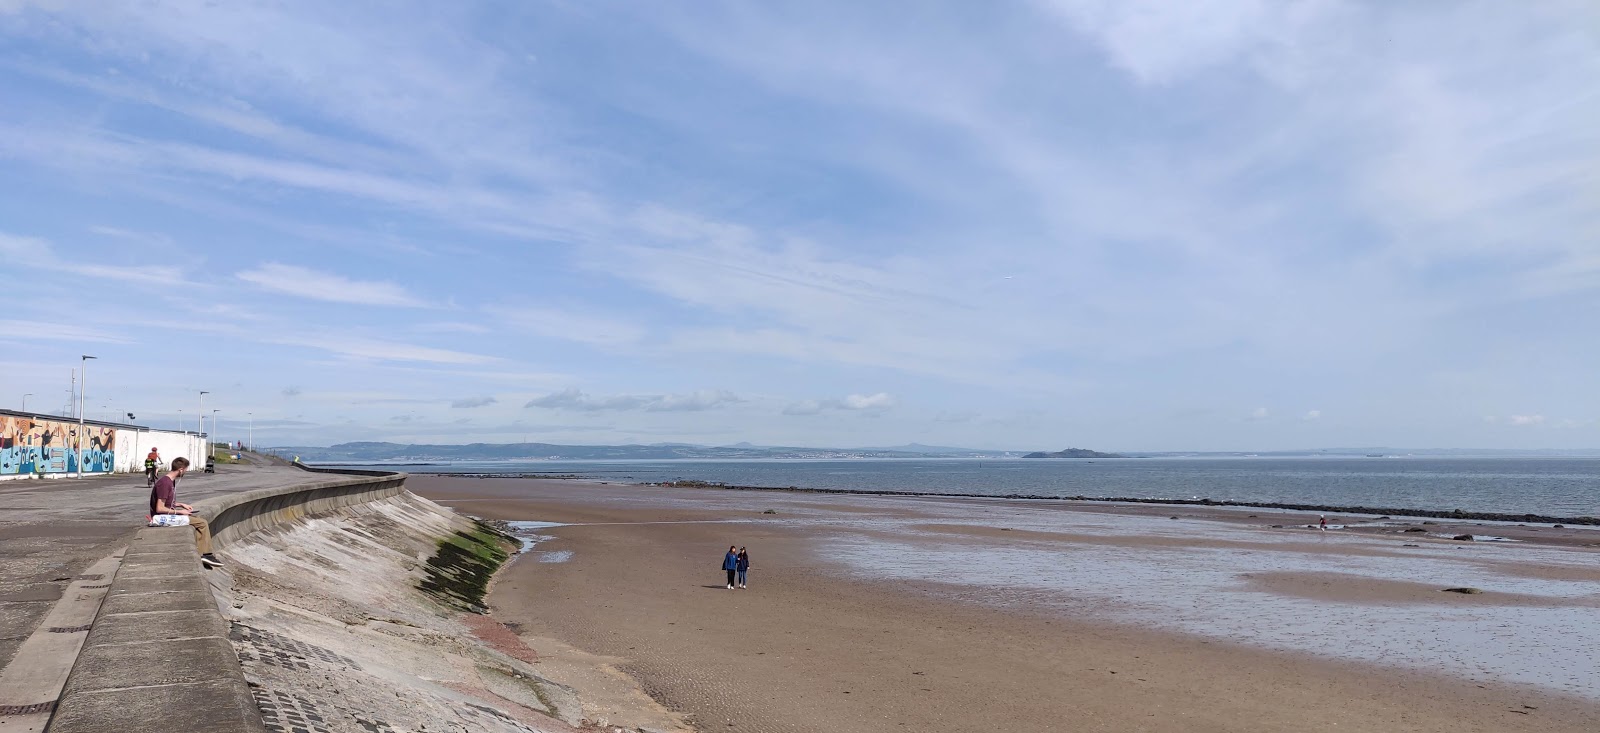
{"points": [[741, 576]]}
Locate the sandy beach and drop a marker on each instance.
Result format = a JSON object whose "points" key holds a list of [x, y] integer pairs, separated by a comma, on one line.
{"points": [[879, 614]]}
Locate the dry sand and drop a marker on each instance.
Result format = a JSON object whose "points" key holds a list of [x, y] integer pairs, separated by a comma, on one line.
{"points": [[808, 648]]}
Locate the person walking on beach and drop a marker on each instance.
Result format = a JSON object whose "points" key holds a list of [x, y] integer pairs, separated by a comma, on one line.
{"points": [[743, 566], [1322, 522], [730, 563], [166, 511]]}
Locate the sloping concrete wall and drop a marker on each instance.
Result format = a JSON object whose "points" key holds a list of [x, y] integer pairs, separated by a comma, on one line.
{"points": [[157, 658]]}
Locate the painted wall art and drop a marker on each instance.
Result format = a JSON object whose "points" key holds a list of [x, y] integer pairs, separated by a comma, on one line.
{"points": [[34, 445]]}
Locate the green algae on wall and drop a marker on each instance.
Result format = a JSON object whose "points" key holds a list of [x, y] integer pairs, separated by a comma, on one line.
{"points": [[458, 574]]}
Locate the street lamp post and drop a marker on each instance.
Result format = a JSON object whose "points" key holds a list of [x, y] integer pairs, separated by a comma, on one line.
{"points": [[213, 428], [83, 389], [25, 401], [180, 419], [201, 424], [250, 437]]}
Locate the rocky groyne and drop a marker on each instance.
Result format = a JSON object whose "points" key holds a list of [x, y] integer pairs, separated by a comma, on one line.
{"points": [[1456, 514]]}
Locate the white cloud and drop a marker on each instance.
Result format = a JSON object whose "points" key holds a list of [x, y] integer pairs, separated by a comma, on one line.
{"points": [[576, 400], [1260, 413], [307, 283], [875, 401], [872, 403], [360, 347], [1312, 415], [584, 326], [1524, 420], [37, 253], [470, 402], [1158, 41], [45, 330], [450, 327]]}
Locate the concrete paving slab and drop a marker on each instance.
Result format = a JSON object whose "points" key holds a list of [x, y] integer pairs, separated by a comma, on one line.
{"points": [[57, 528], [169, 584], [157, 570], [45, 658], [165, 539], [113, 666], [138, 627], [177, 601], [217, 706]]}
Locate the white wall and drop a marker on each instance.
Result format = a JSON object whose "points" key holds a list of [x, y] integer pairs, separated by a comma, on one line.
{"points": [[132, 445]]}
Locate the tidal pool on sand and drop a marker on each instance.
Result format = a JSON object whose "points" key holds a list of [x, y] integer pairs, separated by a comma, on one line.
{"points": [[1548, 637]]}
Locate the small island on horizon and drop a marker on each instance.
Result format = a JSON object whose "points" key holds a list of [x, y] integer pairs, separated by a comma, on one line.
{"points": [[1074, 453]]}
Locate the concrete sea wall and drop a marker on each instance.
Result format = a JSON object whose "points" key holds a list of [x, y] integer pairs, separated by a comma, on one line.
{"points": [[334, 613]]}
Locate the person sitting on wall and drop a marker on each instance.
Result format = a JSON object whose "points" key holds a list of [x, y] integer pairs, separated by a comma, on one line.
{"points": [[166, 512]]}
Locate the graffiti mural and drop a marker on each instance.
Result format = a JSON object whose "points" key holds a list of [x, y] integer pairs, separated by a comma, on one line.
{"points": [[33, 445]]}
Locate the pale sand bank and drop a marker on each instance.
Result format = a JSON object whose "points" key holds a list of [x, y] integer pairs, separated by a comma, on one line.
{"points": [[872, 614]]}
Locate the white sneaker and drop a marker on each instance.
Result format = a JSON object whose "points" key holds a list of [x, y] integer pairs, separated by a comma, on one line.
{"points": [[730, 587]]}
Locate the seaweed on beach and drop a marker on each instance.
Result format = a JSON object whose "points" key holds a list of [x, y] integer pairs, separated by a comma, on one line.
{"points": [[459, 572]]}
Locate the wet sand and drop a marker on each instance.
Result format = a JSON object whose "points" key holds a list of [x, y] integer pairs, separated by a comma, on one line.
{"points": [[824, 642]]}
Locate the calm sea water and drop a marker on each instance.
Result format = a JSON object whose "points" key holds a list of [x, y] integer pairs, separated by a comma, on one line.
{"points": [[1552, 486]]}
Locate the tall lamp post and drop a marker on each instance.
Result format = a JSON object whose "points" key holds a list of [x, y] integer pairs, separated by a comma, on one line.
{"points": [[83, 389], [200, 425], [250, 437], [213, 428], [25, 401]]}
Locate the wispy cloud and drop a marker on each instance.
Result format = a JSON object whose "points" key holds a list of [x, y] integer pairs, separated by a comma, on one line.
{"points": [[576, 400], [360, 347], [471, 402], [51, 331], [568, 324], [307, 283], [874, 403], [38, 254]]}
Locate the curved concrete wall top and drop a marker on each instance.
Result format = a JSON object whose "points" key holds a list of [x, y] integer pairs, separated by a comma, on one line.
{"points": [[160, 624], [236, 516]]}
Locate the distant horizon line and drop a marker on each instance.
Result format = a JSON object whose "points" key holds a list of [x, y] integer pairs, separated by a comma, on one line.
{"points": [[911, 447]]}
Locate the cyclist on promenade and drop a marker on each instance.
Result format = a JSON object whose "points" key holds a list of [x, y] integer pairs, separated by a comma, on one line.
{"points": [[152, 464]]}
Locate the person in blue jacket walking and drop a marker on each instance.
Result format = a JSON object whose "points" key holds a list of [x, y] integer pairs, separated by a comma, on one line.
{"points": [[743, 566], [730, 563]]}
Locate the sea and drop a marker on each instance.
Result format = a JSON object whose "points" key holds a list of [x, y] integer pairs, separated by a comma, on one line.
{"points": [[1551, 486]]}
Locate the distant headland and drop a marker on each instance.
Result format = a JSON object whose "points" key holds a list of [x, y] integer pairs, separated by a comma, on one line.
{"points": [[1075, 453]]}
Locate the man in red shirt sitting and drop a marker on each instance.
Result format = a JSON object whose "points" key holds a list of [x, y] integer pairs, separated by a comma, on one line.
{"points": [[167, 512]]}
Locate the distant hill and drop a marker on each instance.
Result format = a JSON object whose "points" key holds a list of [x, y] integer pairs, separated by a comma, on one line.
{"points": [[938, 450], [1075, 453]]}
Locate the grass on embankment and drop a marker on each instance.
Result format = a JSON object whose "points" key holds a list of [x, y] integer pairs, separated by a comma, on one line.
{"points": [[458, 574]]}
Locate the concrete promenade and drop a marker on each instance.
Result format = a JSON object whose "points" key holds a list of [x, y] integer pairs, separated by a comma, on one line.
{"points": [[52, 530]]}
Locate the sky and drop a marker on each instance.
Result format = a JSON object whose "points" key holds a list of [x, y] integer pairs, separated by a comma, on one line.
{"points": [[1111, 224]]}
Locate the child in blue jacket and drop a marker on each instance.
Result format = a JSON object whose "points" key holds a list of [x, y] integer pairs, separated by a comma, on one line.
{"points": [[730, 563]]}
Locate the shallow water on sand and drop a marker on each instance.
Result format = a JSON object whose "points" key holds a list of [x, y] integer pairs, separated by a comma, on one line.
{"points": [[1211, 579], [1548, 638]]}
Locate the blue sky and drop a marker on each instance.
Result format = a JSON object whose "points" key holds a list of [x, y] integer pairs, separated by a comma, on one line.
{"points": [[1122, 225]]}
